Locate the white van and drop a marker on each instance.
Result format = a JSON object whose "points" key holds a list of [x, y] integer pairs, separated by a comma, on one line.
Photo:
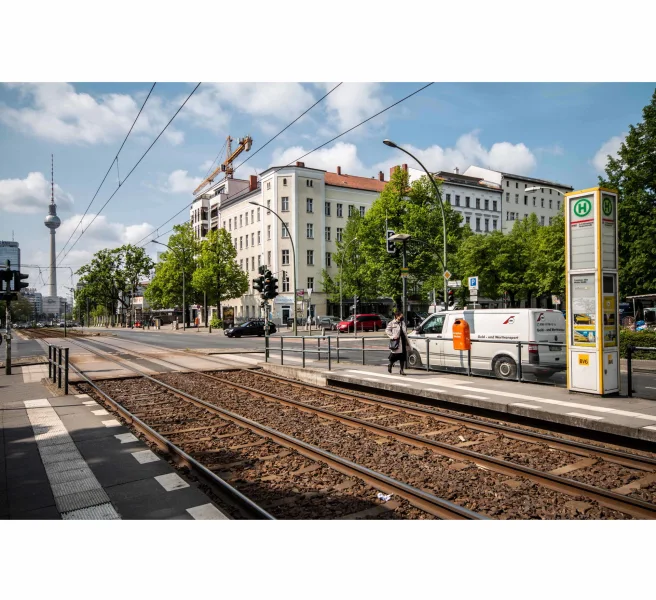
{"points": [[506, 327]]}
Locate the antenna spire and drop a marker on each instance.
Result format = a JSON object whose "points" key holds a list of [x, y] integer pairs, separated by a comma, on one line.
{"points": [[52, 179]]}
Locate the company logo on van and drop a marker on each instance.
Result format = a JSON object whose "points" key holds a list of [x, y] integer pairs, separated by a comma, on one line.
{"points": [[540, 317], [509, 320]]}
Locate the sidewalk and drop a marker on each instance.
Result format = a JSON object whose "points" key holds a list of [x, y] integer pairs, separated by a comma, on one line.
{"points": [[65, 457]]}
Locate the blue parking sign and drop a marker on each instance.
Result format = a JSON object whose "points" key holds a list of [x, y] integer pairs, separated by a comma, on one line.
{"points": [[473, 283]]}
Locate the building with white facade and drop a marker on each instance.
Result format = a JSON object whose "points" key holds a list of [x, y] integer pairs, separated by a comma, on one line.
{"points": [[517, 204], [315, 204], [35, 299]]}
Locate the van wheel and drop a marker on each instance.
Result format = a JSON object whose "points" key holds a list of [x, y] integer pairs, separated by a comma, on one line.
{"points": [[505, 368], [414, 360]]}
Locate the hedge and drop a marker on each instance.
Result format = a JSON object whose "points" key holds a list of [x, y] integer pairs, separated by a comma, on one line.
{"points": [[638, 338]]}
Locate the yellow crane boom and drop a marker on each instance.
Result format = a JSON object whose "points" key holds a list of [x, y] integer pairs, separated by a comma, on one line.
{"points": [[226, 165]]}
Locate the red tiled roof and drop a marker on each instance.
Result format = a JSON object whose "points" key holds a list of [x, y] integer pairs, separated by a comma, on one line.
{"points": [[355, 182]]}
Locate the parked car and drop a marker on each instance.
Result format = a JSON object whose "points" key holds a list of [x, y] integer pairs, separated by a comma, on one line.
{"points": [[299, 321], [254, 327], [415, 318], [384, 321], [329, 323], [62, 324], [362, 323]]}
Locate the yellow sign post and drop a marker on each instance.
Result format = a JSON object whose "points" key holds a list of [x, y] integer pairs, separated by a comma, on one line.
{"points": [[592, 291]]}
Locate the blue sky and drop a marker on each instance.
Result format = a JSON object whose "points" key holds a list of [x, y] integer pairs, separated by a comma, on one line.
{"points": [[560, 132]]}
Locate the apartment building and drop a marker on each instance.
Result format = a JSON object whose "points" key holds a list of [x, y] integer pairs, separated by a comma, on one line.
{"points": [[313, 203], [517, 204]]}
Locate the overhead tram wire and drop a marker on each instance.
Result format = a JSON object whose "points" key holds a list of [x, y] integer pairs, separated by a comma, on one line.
{"points": [[240, 164], [306, 154], [108, 170], [134, 167]]}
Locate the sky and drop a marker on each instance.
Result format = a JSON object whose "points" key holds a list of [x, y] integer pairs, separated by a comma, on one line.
{"points": [[560, 132]]}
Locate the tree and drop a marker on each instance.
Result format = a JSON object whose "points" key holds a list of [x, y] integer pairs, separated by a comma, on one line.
{"points": [[165, 290], [218, 273], [20, 309], [633, 174]]}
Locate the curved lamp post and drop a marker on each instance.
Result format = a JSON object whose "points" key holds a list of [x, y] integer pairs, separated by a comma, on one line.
{"points": [[293, 254], [184, 313], [341, 274], [391, 144]]}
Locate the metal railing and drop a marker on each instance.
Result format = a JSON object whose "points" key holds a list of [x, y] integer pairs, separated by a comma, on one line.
{"points": [[630, 350], [56, 369], [328, 346]]}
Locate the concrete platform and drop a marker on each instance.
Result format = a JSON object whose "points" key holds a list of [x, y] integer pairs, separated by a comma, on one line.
{"points": [[65, 457], [628, 417]]}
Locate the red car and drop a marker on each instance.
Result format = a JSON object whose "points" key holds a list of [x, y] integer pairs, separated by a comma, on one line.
{"points": [[362, 322]]}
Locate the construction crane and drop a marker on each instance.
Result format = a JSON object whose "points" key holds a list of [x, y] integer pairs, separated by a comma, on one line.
{"points": [[226, 166]]}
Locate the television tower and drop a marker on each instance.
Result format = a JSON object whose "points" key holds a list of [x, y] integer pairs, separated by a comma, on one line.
{"points": [[52, 221]]}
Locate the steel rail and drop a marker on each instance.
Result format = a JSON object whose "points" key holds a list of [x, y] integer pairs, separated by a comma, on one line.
{"points": [[419, 498], [627, 505]]}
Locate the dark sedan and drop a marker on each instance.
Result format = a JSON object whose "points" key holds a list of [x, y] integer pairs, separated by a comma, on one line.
{"points": [[255, 327]]}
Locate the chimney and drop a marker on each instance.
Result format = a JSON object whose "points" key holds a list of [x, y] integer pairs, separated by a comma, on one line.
{"points": [[252, 184], [339, 170], [300, 164], [392, 169], [405, 167], [381, 177], [456, 170]]}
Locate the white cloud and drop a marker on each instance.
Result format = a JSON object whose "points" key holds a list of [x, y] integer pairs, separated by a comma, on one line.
{"points": [[609, 147], [56, 112], [31, 195], [100, 233], [341, 154], [179, 182], [351, 103], [468, 150]]}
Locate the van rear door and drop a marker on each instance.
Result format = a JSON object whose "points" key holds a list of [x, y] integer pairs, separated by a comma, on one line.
{"points": [[548, 326]]}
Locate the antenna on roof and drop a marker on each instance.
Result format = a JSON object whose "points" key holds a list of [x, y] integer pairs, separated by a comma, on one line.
{"points": [[52, 179]]}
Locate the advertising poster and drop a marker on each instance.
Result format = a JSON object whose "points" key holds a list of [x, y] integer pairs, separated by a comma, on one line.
{"points": [[228, 317], [584, 315], [610, 322]]}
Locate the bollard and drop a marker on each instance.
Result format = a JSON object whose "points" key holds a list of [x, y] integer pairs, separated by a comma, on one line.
{"points": [[318, 348], [329, 361], [210, 331], [303, 350], [629, 353], [59, 367], [519, 365], [281, 350], [338, 347], [54, 364], [469, 373], [266, 348], [49, 361], [427, 354], [66, 371], [362, 349]]}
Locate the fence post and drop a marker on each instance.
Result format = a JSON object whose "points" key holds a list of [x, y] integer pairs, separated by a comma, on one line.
{"points": [[469, 373], [337, 346], [427, 354], [266, 348], [59, 367], [49, 361], [66, 371], [303, 350], [54, 364], [318, 348], [363, 348], [281, 350], [519, 364], [329, 361], [629, 353]]}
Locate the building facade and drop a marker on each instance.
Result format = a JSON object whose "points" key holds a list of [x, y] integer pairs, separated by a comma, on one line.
{"points": [[35, 299], [10, 251], [518, 204], [313, 203]]}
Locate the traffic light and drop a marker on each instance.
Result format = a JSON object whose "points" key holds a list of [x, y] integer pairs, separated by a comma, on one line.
{"points": [[451, 298], [273, 287], [391, 246], [18, 284], [6, 275], [258, 284]]}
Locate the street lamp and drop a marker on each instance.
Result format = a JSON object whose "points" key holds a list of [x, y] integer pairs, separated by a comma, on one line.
{"points": [[295, 330], [341, 273], [184, 314], [391, 144], [403, 237]]}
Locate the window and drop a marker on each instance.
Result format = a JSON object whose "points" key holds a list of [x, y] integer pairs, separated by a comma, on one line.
{"points": [[285, 230], [310, 258], [362, 211], [542, 202], [310, 231], [224, 225], [328, 260], [542, 220], [478, 223], [507, 196], [253, 238], [235, 243], [269, 258], [268, 185], [339, 210], [550, 190], [309, 205], [494, 205], [550, 202], [516, 184], [525, 216], [516, 198], [241, 242], [478, 203], [252, 263], [448, 198], [253, 216], [457, 200], [558, 204], [259, 238], [526, 200], [246, 217], [327, 233], [507, 183], [284, 181], [466, 201], [309, 183], [542, 190], [229, 224], [268, 232], [350, 210], [494, 224], [338, 236], [285, 281], [240, 221], [310, 283], [268, 206], [246, 240], [258, 215], [259, 260], [487, 224], [285, 257], [285, 204], [241, 264], [326, 208], [534, 201], [550, 220], [467, 220], [487, 204]]}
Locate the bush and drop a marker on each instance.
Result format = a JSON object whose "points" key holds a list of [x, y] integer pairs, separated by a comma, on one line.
{"points": [[638, 338], [216, 323]]}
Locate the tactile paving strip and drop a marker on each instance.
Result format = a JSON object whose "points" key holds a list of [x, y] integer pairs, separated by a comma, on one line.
{"points": [[74, 486]]}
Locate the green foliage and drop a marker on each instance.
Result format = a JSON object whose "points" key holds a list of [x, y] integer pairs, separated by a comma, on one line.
{"points": [[218, 273], [633, 174], [216, 322], [644, 339], [19, 309]]}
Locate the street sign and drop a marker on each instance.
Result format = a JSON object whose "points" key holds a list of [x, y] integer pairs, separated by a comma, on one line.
{"points": [[404, 275], [405, 271], [455, 283], [473, 283], [447, 275]]}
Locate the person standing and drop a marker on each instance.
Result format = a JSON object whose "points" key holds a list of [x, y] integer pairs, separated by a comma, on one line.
{"points": [[398, 334]]}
